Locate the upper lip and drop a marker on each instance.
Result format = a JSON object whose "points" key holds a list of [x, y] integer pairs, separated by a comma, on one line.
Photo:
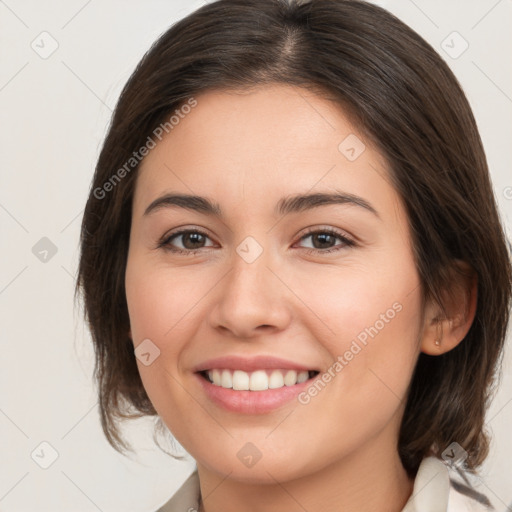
{"points": [[249, 364]]}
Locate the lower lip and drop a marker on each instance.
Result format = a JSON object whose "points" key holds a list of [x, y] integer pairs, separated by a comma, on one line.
{"points": [[251, 402]]}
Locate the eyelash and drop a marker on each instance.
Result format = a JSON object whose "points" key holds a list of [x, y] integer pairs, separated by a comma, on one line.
{"points": [[347, 242]]}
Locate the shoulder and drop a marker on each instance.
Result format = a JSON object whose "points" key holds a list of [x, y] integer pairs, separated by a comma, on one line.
{"points": [[186, 498], [439, 487]]}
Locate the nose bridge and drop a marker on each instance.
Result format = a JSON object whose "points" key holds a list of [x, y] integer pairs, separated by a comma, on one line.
{"points": [[251, 296], [250, 264]]}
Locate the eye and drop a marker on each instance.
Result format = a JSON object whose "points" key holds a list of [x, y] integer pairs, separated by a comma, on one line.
{"points": [[192, 241], [324, 238]]}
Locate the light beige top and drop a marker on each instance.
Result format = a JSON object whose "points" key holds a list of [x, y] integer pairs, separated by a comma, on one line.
{"points": [[436, 489]]}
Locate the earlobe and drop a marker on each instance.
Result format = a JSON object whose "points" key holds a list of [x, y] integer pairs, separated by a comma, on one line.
{"points": [[443, 331]]}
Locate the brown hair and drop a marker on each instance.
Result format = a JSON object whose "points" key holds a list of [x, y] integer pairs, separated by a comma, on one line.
{"points": [[405, 99]]}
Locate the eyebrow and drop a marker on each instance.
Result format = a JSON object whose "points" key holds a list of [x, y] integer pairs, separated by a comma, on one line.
{"points": [[290, 204]]}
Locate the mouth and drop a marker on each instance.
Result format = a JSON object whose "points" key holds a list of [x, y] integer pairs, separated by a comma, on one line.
{"points": [[258, 380], [254, 392], [252, 385]]}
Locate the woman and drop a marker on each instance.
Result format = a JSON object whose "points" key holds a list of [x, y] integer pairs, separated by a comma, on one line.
{"points": [[291, 254]]}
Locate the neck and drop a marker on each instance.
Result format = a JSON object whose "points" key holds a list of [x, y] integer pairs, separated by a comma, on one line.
{"points": [[371, 480]]}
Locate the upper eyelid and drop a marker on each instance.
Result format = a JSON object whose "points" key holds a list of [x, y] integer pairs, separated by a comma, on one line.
{"points": [[347, 239], [176, 234], [328, 229], [183, 231]]}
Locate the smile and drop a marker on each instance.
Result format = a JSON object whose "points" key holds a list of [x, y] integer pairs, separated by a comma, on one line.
{"points": [[259, 380], [253, 392]]}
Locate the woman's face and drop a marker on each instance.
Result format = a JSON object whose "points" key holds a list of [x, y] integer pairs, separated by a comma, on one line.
{"points": [[274, 286]]}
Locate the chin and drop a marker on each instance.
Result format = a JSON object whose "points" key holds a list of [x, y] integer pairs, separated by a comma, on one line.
{"points": [[246, 463]]}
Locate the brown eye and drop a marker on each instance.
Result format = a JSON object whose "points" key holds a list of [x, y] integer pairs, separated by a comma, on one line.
{"points": [[324, 241], [191, 241]]}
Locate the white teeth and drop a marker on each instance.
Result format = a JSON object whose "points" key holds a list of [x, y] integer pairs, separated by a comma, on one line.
{"points": [[240, 380], [226, 381], [276, 380], [259, 380], [302, 377], [215, 377], [290, 378]]}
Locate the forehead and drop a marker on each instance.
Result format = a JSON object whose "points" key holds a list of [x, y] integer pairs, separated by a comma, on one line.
{"points": [[260, 119], [278, 138]]}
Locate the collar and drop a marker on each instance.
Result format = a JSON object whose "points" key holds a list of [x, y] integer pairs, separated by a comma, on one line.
{"points": [[432, 492]]}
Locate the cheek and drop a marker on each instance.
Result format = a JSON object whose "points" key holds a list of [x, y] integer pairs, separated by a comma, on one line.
{"points": [[379, 346], [375, 319], [373, 316], [157, 310], [364, 303], [160, 302], [164, 307], [378, 355]]}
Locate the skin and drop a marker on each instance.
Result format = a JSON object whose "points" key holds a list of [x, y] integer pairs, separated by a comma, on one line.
{"points": [[246, 151]]}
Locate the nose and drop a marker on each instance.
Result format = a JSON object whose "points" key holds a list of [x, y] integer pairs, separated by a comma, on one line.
{"points": [[251, 299]]}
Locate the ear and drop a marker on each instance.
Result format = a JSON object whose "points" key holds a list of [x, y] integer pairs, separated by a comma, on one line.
{"points": [[443, 331]]}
